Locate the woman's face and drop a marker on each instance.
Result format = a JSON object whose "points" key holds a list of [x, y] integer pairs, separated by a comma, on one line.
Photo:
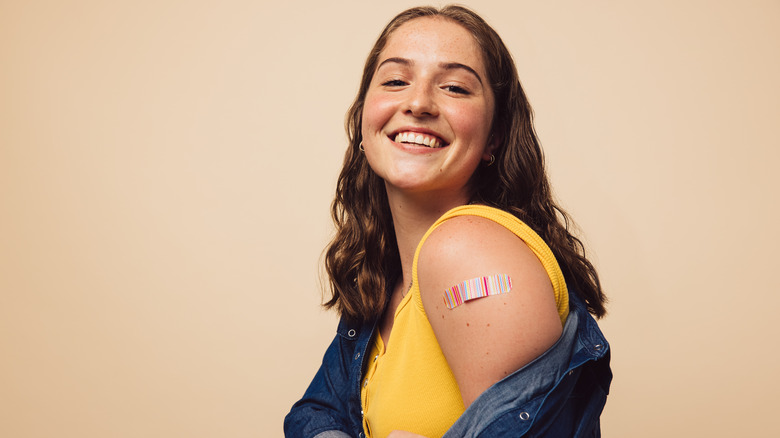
{"points": [[428, 111]]}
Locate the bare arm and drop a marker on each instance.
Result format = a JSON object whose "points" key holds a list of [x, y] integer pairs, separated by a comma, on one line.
{"points": [[488, 338]]}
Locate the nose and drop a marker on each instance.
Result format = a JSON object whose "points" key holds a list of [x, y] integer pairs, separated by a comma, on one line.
{"points": [[421, 102]]}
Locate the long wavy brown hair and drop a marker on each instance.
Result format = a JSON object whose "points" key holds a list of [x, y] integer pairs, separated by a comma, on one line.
{"points": [[362, 259]]}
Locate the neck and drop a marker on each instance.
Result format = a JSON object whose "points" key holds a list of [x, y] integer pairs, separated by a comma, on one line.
{"points": [[413, 214]]}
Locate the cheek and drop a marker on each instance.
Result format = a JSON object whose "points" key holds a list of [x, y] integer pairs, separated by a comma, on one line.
{"points": [[472, 121], [377, 110]]}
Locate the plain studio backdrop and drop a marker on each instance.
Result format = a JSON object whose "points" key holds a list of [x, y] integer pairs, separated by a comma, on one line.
{"points": [[166, 170]]}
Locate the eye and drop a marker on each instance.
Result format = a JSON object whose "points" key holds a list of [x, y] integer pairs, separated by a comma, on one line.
{"points": [[455, 89], [394, 83]]}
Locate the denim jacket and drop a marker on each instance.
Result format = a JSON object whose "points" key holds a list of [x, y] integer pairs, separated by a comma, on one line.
{"points": [[559, 394]]}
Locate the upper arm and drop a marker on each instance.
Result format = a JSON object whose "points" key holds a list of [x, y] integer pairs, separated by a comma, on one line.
{"points": [[486, 339]]}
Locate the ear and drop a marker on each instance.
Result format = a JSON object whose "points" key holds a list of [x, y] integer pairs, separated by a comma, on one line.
{"points": [[491, 147]]}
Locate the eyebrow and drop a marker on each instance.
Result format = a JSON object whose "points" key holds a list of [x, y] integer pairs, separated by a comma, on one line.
{"points": [[444, 65], [457, 65]]}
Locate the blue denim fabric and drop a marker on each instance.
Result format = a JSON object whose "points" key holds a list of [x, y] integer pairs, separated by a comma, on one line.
{"points": [[559, 394], [332, 401]]}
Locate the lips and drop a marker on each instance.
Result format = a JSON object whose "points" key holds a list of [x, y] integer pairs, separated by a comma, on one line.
{"points": [[419, 139]]}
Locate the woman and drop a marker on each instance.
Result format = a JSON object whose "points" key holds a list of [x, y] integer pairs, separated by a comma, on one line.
{"points": [[463, 297]]}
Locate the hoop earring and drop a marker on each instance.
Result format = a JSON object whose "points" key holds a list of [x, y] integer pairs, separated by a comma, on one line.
{"points": [[492, 160], [362, 149]]}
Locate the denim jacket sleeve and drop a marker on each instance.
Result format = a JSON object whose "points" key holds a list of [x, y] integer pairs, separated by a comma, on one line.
{"points": [[330, 407]]}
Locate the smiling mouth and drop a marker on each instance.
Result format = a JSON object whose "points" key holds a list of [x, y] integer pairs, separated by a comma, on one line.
{"points": [[419, 139]]}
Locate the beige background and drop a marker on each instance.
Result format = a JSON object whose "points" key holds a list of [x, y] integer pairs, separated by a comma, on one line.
{"points": [[166, 169]]}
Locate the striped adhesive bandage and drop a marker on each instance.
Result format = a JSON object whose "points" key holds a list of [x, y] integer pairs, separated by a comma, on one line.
{"points": [[477, 288]]}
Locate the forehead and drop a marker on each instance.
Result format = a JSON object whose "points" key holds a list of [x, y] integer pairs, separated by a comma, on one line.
{"points": [[434, 39]]}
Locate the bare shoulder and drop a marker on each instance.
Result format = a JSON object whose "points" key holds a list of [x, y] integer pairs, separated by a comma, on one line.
{"points": [[487, 338], [467, 247]]}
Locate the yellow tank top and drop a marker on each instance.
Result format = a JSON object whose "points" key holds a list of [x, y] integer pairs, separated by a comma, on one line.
{"points": [[409, 385]]}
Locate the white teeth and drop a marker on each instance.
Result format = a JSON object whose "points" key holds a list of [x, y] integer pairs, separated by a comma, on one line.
{"points": [[419, 139]]}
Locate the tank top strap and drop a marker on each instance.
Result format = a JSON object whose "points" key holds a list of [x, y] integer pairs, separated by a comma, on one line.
{"points": [[521, 230]]}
